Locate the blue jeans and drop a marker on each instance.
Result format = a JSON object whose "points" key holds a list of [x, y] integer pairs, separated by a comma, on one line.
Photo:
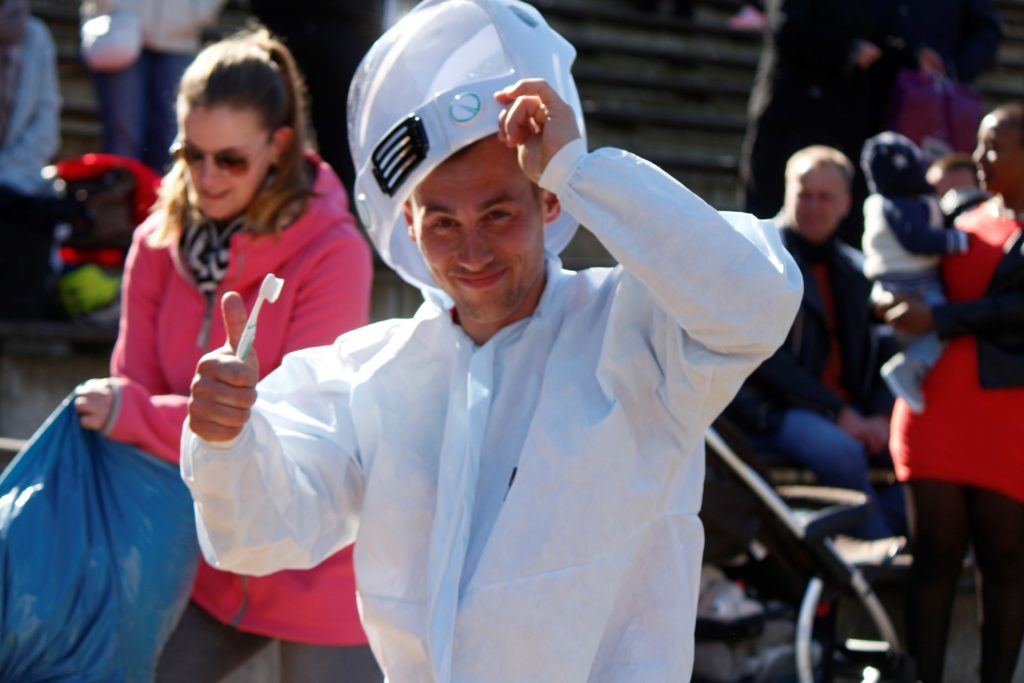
{"points": [[839, 460], [137, 107]]}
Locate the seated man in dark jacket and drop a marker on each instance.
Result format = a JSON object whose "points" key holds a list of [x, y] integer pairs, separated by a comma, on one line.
{"points": [[819, 399]]}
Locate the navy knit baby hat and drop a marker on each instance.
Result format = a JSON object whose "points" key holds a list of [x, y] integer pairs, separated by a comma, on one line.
{"points": [[894, 166]]}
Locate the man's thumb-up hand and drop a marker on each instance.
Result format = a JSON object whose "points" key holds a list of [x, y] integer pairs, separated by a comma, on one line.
{"points": [[232, 310], [536, 121], [224, 387]]}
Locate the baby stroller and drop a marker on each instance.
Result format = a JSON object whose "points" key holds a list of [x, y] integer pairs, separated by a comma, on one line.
{"points": [[799, 526]]}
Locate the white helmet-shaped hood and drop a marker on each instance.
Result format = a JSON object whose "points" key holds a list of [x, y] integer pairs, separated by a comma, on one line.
{"points": [[426, 89]]}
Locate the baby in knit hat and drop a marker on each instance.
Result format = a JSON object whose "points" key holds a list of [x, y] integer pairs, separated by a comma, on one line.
{"points": [[904, 238]]}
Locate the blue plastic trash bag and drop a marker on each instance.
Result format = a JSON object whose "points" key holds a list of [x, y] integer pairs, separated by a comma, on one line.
{"points": [[97, 556]]}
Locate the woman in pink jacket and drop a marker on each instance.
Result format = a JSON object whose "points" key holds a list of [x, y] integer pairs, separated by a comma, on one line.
{"points": [[244, 198]]}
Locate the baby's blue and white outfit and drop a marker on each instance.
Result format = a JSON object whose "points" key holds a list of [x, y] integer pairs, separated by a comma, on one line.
{"points": [[904, 232]]}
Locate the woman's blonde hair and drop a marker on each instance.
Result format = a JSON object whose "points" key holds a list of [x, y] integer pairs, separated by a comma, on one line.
{"points": [[250, 71]]}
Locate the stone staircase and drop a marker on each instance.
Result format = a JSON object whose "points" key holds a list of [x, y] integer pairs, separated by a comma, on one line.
{"points": [[673, 90]]}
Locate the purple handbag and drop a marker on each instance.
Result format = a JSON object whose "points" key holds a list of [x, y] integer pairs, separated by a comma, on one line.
{"points": [[938, 113]]}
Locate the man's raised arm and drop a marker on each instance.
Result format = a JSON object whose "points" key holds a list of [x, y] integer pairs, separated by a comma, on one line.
{"points": [[724, 282]]}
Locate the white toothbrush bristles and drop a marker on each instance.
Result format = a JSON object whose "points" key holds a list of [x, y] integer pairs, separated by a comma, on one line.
{"points": [[271, 287]]}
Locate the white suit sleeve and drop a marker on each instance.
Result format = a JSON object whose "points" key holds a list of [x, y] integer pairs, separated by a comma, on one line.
{"points": [[286, 493], [714, 293]]}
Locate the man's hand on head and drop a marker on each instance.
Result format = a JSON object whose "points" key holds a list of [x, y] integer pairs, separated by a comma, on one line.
{"points": [[536, 121], [224, 387]]}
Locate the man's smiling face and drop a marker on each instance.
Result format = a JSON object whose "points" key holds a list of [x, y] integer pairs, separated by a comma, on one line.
{"points": [[479, 223]]}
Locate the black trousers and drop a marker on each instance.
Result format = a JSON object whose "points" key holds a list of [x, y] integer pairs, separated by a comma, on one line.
{"points": [[203, 650], [26, 273]]}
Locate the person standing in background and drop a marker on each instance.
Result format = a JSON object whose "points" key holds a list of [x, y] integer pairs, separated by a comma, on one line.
{"points": [[948, 42], [812, 88], [962, 457], [29, 138], [137, 102], [954, 38], [328, 38], [29, 101]]}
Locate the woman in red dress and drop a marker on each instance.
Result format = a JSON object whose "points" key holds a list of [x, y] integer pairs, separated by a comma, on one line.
{"points": [[963, 458]]}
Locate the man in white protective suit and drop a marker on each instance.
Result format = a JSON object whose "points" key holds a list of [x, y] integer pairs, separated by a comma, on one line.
{"points": [[520, 464]]}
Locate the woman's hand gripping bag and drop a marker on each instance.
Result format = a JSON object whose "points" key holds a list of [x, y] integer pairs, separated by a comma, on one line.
{"points": [[97, 556]]}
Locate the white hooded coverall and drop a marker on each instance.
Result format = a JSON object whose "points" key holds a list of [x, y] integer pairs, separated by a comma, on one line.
{"points": [[525, 510]]}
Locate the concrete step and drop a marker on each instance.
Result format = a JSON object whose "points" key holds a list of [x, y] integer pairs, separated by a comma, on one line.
{"points": [[623, 20], [631, 85], [665, 52], [699, 141]]}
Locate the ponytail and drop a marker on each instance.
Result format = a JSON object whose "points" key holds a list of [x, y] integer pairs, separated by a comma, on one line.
{"points": [[253, 71]]}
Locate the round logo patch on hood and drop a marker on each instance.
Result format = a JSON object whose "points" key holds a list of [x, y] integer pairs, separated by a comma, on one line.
{"points": [[426, 89]]}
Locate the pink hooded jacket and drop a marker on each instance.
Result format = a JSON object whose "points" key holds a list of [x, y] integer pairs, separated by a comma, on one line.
{"points": [[327, 269]]}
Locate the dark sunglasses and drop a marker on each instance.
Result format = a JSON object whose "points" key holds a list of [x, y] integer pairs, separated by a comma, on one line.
{"points": [[231, 162]]}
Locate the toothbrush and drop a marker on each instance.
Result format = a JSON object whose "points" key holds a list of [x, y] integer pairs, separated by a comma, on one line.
{"points": [[270, 289]]}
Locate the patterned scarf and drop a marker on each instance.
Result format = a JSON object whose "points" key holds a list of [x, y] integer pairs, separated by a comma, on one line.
{"points": [[204, 246]]}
